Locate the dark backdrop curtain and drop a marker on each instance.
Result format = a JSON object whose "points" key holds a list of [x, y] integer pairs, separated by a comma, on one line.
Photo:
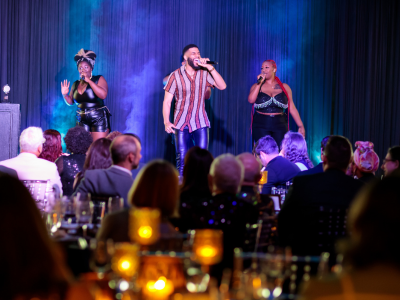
{"points": [[341, 59]]}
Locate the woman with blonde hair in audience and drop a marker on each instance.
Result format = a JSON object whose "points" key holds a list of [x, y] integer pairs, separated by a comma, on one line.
{"points": [[156, 186], [32, 266], [371, 255], [294, 149]]}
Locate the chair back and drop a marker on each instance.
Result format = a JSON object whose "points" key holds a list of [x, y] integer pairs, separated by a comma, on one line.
{"points": [[39, 189], [318, 229]]}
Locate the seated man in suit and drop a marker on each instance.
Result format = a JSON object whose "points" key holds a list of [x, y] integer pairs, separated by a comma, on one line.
{"points": [[116, 180], [27, 164], [318, 168], [280, 170], [298, 219]]}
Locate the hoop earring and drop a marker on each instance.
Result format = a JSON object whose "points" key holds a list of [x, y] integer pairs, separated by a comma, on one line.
{"points": [[91, 75]]}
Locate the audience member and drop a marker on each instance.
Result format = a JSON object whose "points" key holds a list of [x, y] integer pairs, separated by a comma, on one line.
{"points": [[8, 171], [294, 149], [98, 157], [52, 148], [366, 161], [27, 164], [156, 186], [391, 161], [280, 170], [371, 255], [78, 141], [195, 174], [318, 168], [331, 189], [249, 191], [32, 265], [116, 180], [112, 135], [223, 210]]}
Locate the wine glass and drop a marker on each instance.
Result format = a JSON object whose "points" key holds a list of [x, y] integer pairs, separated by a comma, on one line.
{"points": [[102, 252], [84, 211], [115, 204]]}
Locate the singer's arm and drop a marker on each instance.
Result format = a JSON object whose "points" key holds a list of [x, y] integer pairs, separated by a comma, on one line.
{"points": [[294, 112], [254, 91], [219, 81], [169, 127], [100, 89]]}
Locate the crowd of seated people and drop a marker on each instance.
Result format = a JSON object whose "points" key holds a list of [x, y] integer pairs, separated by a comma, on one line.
{"points": [[221, 193]]}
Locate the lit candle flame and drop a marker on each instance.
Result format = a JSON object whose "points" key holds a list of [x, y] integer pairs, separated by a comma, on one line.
{"points": [[207, 251], [145, 232]]}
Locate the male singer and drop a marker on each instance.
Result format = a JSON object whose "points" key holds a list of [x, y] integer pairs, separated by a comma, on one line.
{"points": [[189, 84]]}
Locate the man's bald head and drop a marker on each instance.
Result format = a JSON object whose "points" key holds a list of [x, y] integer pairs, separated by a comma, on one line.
{"points": [[122, 146], [252, 168]]}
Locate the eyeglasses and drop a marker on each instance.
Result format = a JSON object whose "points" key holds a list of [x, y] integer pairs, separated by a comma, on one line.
{"points": [[386, 160], [86, 68]]}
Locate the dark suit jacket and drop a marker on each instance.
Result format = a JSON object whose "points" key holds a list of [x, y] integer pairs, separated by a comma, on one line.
{"points": [[332, 189], [8, 171], [280, 170], [110, 182], [317, 169]]}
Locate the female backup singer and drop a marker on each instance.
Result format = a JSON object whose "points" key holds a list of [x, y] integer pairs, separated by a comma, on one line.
{"points": [[89, 93], [270, 98]]}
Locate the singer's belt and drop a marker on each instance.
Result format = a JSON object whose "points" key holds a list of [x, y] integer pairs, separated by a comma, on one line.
{"points": [[85, 111], [270, 115]]}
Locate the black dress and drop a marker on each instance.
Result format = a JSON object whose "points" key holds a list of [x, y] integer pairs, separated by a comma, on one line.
{"points": [[93, 115], [68, 167]]}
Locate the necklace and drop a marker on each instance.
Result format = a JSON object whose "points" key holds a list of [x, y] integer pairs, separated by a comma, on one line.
{"points": [[191, 75]]}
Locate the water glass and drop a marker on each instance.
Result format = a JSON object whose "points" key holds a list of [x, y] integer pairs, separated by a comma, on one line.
{"points": [[84, 211], [115, 204]]}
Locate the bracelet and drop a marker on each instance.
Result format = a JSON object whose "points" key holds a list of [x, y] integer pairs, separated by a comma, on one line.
{"points": [[212, 69]]}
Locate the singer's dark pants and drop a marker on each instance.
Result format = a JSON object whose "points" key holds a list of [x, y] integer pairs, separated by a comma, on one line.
{"points": [[275, 126], [185, 140]]}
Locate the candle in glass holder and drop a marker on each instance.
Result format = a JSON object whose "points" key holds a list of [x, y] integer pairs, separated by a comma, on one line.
{"points": [[208, 246], [125, 261], [264, 177], [144, 225]]}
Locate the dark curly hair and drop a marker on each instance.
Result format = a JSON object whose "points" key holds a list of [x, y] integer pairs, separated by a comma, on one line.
{"points": [[78, 140], [52, 148], [295, 148]]}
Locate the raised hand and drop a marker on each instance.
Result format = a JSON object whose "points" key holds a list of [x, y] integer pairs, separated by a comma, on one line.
{"points": [[202, 62], [65, 87]]}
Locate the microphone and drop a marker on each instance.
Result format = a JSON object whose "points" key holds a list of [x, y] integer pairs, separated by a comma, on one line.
{"points": [[210, 62], [83, 77], [260, 80]]}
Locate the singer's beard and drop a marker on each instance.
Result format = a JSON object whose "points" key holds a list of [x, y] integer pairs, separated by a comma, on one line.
{"points": [[191, 63]]}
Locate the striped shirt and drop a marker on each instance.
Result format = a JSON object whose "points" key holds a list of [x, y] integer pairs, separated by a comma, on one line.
{"points": [[189, 94]]}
